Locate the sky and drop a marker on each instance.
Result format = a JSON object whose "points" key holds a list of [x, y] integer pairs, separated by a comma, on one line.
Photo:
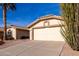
{"points": [[26, 13]]}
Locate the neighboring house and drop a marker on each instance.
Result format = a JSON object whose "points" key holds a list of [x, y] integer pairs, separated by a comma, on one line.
{"points": [[46, 28], [17, 32], [1, 33]]}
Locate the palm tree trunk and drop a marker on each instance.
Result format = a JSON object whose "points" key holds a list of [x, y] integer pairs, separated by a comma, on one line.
{"points": [[4, 20]]}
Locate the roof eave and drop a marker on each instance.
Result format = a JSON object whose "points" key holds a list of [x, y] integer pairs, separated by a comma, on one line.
{"points": [[44, 18]]}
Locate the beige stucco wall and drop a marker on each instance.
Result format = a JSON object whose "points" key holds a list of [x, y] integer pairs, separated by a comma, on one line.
{"points": [[52, 22], [30, 34], [40, 24], [13, 32]]}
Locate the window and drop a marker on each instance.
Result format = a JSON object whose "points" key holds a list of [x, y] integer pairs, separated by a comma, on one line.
{"points": [[9, 33], [46, 23]]}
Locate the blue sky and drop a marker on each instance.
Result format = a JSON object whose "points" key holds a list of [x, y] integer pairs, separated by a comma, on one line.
{"points": [[28, 12]]}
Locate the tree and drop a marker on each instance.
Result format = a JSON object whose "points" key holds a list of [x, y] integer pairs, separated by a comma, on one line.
{"points": [[70, 15], [6, 7]]}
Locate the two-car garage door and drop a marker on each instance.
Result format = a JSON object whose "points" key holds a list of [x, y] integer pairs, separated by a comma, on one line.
{"points": [[48, 34]]}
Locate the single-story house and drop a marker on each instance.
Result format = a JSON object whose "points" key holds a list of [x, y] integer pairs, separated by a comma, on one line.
{"points": [[46, 28], [17, 32], [1, 33]]}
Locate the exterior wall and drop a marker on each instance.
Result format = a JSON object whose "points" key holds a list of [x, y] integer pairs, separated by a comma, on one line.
{"points": [[40, 24], [20, 33], [17, 33], [13, 32], [52, 22], [30, 34]]}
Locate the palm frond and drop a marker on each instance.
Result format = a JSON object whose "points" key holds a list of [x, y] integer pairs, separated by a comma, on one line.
{"points": [[12, 6]]}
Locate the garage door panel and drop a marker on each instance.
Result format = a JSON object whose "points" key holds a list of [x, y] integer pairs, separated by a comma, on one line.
{"points": [[48, 34]]}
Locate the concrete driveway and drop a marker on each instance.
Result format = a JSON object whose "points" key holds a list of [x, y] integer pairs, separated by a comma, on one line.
{"points": [[34, 48]]}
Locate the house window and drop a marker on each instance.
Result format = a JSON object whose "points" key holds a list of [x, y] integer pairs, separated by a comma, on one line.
{"points": [[9, 33], [46, 23]]}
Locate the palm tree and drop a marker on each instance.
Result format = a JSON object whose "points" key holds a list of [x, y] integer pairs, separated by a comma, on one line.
{"points": [[6, 7], [70, 14]]}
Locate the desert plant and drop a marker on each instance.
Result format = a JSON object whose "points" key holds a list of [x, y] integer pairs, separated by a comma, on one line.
{"points": [[70, 15]]}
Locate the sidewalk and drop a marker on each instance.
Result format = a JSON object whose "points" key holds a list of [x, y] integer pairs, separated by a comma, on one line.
{"points": [[67, 51]]}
